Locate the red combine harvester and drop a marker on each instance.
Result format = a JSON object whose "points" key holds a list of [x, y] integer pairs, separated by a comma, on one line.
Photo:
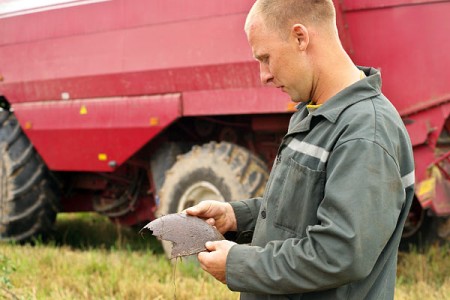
{"points": [[129, 107]]}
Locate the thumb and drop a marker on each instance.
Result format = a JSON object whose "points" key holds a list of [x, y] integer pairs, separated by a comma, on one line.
{"points": [[211, 246], [198, 209], [193, 210]]}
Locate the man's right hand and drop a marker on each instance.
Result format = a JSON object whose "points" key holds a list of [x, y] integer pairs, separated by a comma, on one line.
{"points": [[216, 213]]}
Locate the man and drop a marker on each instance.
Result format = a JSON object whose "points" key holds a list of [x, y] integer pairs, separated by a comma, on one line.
{"points": [[330, 221]]}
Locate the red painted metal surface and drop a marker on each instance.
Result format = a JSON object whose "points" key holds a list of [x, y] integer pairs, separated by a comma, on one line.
{"points": [[128, 51], [129, 54], [424, 129], [440, 203], [197, 53], [95, 135], [434, 191], [193, 78], [110, 15], [350, 5], [236, 101], [418, 131], [409, 44]]}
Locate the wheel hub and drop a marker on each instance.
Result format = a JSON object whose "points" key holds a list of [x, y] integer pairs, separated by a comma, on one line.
{"points": [[197, 192]]}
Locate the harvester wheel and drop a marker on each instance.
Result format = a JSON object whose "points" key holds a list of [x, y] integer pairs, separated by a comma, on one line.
{"points": [[223, 172], [28, 192], [421, 229]]}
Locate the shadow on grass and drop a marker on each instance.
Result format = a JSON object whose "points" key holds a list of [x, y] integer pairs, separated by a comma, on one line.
{"points": [[85, 231]]}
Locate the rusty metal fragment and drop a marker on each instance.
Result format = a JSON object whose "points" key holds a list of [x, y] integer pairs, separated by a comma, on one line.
{"points": [[188, 234]]}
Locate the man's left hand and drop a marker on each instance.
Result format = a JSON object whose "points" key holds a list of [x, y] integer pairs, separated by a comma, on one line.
{"points": [[214, 262]]}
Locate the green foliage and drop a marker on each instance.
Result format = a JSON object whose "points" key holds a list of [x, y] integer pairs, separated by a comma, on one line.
{"points": [[86, 231], [6, 269], [431, 267], [424, 274]]}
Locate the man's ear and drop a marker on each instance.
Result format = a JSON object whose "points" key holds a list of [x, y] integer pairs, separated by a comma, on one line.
{"points": [[301, 36]]}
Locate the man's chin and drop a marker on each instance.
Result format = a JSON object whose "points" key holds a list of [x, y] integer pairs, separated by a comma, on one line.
{"points": [[297, 100]]}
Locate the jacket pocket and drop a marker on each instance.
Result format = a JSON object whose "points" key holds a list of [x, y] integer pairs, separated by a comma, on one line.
{"points": [[299, 199]]}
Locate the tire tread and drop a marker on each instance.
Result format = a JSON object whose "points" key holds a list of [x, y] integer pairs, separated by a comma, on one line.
{"points": [[29, 196]]}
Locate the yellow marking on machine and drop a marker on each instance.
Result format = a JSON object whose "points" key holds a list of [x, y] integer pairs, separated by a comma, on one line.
{"points": [[426, 186], [154, 121], [83, 110]]}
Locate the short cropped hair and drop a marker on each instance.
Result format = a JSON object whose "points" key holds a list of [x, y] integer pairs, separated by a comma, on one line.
{"points": [[279, 14]]}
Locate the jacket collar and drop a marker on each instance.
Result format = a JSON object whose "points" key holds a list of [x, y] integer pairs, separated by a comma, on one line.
{"points": [[365, 88]]}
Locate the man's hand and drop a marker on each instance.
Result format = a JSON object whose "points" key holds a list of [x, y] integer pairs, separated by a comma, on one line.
{"points": [[214, 262], [218, 214]]}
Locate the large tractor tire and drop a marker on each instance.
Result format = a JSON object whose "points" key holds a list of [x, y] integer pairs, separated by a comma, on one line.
{"points": [[223, 172], [423, 229], [28, 192]]}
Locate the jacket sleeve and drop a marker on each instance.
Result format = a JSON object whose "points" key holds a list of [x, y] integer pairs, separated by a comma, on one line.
{"points": [[362, 201], [246, 212]]}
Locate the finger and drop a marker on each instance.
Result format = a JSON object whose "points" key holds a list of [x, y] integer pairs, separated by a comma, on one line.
{"points": [[211, 246], [193, 211], [204, 268], [202, 258], [198, 209], [211, 221]]}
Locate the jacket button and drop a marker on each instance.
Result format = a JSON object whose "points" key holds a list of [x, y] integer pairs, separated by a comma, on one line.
{"points": [[278, 159], [263, 214]]}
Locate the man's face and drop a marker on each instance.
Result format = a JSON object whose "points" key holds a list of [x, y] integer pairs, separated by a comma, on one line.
{"points": [[282, 64]]}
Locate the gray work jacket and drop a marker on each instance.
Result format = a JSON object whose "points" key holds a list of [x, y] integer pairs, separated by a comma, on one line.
{"points": [[330, 221]]}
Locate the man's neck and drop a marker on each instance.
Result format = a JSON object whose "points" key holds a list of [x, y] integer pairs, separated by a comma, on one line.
{"points": [[338, 74]]}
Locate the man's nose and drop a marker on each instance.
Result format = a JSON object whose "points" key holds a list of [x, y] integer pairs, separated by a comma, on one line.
{"points": [[265, 74]]}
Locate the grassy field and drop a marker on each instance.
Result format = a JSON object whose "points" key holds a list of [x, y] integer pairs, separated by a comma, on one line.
{"points": [[91, 258]]}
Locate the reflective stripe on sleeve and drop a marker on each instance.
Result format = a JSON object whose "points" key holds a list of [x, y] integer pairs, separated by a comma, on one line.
{"points": [[408, 180]]}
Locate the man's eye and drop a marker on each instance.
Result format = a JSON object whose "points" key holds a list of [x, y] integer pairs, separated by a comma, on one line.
{"points": [[264, 59]]}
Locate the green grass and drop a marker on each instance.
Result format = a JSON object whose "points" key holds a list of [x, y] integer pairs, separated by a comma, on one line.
{"points": [[92, 258], [424, 275]]}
